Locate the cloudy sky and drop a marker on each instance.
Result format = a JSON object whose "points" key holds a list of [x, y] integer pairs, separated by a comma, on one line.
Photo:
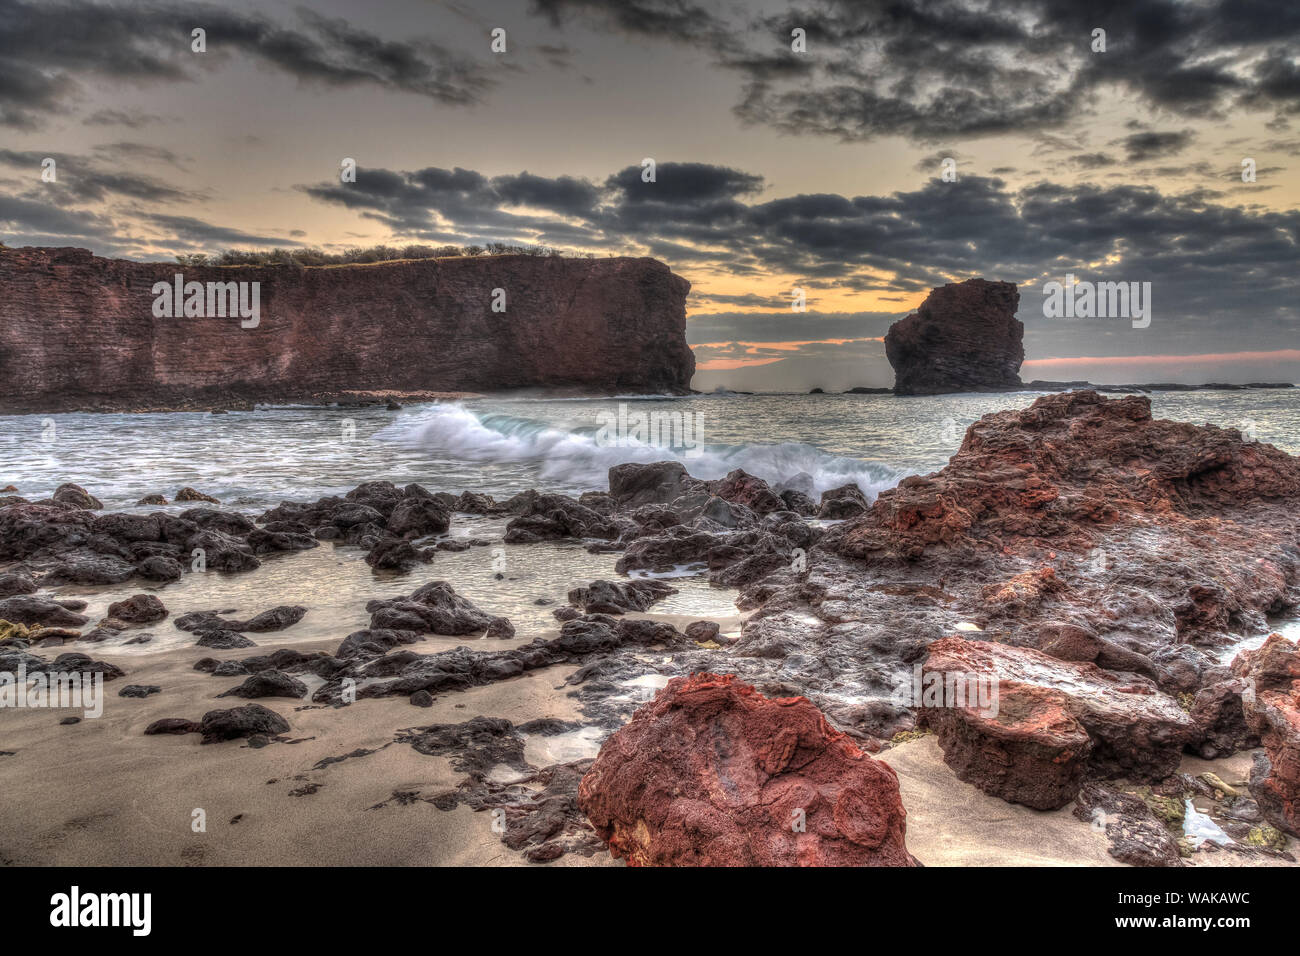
{"points": [[776, 168]]}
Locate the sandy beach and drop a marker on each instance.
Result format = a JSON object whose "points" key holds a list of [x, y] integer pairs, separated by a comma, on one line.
{"points": [[101, 793]]}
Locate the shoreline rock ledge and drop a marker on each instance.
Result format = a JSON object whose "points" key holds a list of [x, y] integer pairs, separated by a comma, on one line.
{"points": [[964, 338]]}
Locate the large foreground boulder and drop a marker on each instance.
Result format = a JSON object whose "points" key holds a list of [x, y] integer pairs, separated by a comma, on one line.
{"points": [[712, 773], [1027, 727]]}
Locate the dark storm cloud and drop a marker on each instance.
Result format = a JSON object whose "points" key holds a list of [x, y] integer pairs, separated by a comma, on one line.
{"points": [[132, 119], [565, 195], [81, 180], [683, 183], [939, 69], [50, 52], [426, 202], [21, 217], [1093, 160], [677, 20], [203, 233], [1140, 147]]}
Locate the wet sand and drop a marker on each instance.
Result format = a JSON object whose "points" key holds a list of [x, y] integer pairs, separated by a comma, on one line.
{"points": [[100, 792]]}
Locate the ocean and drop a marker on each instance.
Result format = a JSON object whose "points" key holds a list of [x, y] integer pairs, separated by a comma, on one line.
{"points": [[252, 460]]}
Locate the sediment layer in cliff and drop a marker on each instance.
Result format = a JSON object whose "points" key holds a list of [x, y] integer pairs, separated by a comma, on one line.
{"points": [[79, 332], [964, 338]]}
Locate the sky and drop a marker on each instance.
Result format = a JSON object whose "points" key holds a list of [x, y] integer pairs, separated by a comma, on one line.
{"points": [[862, 152]]}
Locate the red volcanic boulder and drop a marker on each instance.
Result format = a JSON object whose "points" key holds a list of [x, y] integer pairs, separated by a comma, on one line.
{"points": [[1027, 727], [712, 773], [743, 488], [1272, 705], [964, 338]]}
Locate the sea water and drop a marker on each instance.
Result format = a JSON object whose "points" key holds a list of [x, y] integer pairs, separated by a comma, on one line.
{"points": [[252, 460]]}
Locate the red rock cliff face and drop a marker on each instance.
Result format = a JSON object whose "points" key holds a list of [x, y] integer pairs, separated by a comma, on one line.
{"points": [[78, 331]]}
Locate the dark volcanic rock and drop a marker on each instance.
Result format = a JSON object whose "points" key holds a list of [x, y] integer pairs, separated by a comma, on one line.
{"points": [[24, 609], [276, 619], [222, 640], [268, 683], [436, 608], [551, 517], [1136, 835], [610, 597], [138, 609], [72, 663], [846, 501], [76, 496], [218, 725], [404, 673], [712, 773], [964, 338], [15, 582], [189, 494], [89, 567], [632, 485], [172, 725], [397, 554]]}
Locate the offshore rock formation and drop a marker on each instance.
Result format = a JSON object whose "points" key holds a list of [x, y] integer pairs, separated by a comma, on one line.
{"points": [[712, 773], [964, 338], [78, 332]]}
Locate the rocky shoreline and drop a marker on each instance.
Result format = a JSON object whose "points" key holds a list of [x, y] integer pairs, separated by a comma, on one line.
{"points": [[1096, 567]]}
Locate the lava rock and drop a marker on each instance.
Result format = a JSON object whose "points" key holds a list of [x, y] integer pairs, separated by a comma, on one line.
{"points": [[796, 792], [138, 609]]}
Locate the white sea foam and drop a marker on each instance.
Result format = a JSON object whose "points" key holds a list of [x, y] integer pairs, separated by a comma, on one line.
{"points": [[573, 456]]}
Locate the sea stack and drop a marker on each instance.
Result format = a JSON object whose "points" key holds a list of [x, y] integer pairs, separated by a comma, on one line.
{"points": [[964, 338]]}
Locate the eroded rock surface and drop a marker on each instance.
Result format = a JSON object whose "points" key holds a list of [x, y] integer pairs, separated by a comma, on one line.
{"points": [[1272, 708], [712, 773]]}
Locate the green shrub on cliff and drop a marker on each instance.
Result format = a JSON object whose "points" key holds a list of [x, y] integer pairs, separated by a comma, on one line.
{"points": [[314, 256]]}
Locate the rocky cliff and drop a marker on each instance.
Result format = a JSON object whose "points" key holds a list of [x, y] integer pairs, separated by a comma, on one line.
{"points": [[78, 332], [964, 338]]}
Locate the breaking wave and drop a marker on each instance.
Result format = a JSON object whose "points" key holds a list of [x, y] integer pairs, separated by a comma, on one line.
{"points": [[577, 458]]}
